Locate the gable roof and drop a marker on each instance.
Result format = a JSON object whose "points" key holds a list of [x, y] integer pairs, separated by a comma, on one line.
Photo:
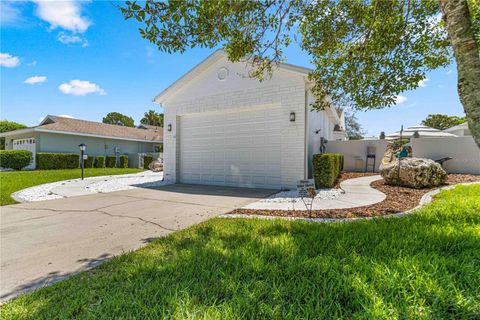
{"points": [[56, 124], [461, 126], [207, 62]]}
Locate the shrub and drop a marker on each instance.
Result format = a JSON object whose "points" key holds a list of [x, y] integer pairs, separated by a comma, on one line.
{"points": [[47, 161], [146, 161], [15, 159], [99, 162], [89, 162], [326, 169], [111, 161], [123, 161]]}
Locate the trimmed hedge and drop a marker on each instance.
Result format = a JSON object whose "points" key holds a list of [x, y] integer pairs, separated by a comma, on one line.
{"points": [[89, 162], [99, 162], [48, 161], [326, 169], [146, 161], [111, 161], [15, 159], [123, 161]]}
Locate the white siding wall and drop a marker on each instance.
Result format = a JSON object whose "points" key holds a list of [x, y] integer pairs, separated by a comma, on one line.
{"points": [[208, 94], [463, 150]]}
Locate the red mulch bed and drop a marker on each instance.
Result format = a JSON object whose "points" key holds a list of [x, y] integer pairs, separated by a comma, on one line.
{"points": [[398, 199]]}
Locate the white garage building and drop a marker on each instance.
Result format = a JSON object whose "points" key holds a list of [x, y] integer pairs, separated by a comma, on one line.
{"points": [[222, 127]]}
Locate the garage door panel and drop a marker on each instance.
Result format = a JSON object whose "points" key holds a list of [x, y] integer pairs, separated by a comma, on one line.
{"points": [[234, 149]]}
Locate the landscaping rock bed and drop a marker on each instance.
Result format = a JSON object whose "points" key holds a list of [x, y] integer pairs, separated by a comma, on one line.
{"points": [[399, 199]]}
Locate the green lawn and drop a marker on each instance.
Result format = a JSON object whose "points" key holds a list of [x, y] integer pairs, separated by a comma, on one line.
{"points": [[12, 181], [423, 266]]}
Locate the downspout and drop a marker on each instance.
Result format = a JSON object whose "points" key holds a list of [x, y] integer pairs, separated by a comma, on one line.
{"points": [[305, 141]]}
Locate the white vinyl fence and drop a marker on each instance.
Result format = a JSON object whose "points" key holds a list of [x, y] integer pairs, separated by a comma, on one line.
{"points": [[463, 150]]}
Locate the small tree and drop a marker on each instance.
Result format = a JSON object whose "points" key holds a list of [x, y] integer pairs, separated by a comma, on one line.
{"points": [[6, 126], [118, 119], [152, 118], [442, 121], [353, 127]]}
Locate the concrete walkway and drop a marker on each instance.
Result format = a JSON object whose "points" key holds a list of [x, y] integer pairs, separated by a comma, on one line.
{"points": [[357, 193], [91, 185], [43, 242]]}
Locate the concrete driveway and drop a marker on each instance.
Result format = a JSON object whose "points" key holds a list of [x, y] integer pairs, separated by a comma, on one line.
{"points": [[44, 242]]}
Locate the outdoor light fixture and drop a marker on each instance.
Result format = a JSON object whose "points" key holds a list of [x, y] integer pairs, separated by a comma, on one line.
{"points": [[169, 127], [292, 116], [82, 147]]}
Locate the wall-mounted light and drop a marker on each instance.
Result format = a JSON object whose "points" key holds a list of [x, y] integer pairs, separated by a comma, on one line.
{"points": [[292, 116], [169, 127]]}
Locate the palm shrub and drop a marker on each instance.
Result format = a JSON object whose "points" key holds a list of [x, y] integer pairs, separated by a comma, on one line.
{"points": [[326, 169], [15, 159]]}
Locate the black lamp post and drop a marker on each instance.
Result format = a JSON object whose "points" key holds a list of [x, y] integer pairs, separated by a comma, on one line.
{"points": [[82, 147]]}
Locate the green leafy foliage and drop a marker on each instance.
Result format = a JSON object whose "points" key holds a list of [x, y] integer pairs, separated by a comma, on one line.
{"points": [[152, 118], [111, 161], [99, 162], [6, 126], [118, 119], [326, 169], [89, 162], [123, 161], [147, 159], [15, 159], [55, 161], [442, 121], [353, 127]]}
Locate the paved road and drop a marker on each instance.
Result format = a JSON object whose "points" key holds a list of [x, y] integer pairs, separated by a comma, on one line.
{"points": [[43, 242]]}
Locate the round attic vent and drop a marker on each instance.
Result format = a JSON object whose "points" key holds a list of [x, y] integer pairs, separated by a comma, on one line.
{"points": [[222, 73]]}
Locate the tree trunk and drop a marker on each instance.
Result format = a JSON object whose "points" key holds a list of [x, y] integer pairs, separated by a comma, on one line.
{"points": [[458, 23]]}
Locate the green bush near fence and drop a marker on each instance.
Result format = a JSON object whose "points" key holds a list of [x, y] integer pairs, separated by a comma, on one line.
{"points": [[326, 169], [123, 161], [15, 159], [88, 163], [99, 162], [49, 161], [146, 161], [111, 161]]}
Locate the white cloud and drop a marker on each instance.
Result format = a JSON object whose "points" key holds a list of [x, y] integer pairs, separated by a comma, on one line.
{"points": [[10, 13], [35, 80], [32, 64], [449, 71], [80, 88], [400, 99], [423, 83], [72, 39], [65, 14], [9, 61]]}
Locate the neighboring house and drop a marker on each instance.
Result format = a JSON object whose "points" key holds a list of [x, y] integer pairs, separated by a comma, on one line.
{"points": [[224, 128], [63, 135], [460, 130], [422, 131]]}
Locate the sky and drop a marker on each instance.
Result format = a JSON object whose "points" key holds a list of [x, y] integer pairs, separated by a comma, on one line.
{"points": [[82, 59]]}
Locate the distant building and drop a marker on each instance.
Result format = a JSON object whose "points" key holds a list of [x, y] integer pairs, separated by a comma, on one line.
{"points": [[460, 130]]}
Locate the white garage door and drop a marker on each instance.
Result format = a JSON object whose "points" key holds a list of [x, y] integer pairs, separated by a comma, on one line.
{"points": [[240, 149]]}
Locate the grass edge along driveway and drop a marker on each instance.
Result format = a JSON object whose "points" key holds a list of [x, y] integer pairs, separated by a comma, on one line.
{"points": [[422, 266], [13, 181]]}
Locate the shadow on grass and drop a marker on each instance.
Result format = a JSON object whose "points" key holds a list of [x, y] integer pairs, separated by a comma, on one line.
{"points": [[420, 266]]}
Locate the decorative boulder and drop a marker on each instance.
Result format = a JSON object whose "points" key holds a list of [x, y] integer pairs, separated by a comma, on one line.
{"points": [[156, 166], [413, 173]]}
